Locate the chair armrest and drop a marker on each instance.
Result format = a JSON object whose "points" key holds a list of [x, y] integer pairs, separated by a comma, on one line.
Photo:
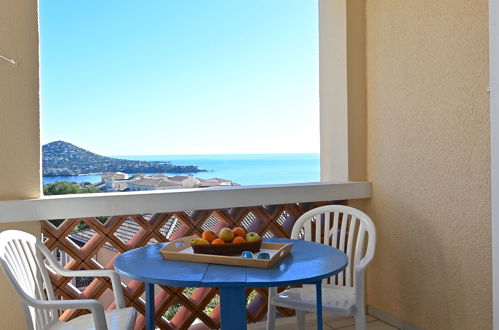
{"points": [[115, 279], [359, 284], [89, 304], [90, 273]]}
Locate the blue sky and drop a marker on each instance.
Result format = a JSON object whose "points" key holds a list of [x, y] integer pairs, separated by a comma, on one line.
{"points": [[180, 76]]}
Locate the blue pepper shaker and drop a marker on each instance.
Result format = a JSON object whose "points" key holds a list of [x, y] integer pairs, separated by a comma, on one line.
{"points": [[263, 255]]}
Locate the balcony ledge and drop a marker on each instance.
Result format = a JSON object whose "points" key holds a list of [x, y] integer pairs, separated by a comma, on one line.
{"points": [[104, 204]]}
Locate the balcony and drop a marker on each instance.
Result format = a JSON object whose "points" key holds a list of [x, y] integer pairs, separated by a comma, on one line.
{"points": [[80, 240], [404, 105]]}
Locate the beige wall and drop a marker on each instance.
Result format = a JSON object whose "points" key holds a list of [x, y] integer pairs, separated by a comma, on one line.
{"points": [[429, 161], [356, 85], [19, 126], [19, 107]]}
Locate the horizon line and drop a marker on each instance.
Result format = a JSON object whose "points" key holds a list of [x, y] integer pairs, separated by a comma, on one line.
{"points": [[219, 154]]}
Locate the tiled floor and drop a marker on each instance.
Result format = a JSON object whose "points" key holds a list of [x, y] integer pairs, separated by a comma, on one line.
{"points": [[340, 324], [374, 324]]}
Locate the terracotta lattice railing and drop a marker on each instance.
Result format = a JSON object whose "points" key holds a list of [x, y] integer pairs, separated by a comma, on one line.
{"points": [[94, 243]]}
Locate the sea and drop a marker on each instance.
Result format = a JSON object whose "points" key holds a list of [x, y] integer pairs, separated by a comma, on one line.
{"points": [[247, 169]]}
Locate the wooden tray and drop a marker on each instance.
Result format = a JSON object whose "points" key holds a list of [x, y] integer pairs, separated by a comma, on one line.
{"points": [[181, 249]]}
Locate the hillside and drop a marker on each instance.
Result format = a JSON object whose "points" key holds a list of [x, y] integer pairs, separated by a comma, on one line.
{"points": [[63, 158]]}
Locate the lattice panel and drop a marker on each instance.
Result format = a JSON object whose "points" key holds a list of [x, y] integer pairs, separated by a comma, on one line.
{"points": [[94, 243]]}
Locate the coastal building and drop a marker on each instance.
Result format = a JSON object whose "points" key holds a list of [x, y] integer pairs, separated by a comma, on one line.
{"points": [[114, 176], [117, 181], [190, 181], [213, 182], [159, 176], [149, 183], [114, 181], [186, 181], [116, 185]]}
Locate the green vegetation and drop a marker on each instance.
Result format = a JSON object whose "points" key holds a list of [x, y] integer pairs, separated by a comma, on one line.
{"points": [[67, 187], [170, 313]]}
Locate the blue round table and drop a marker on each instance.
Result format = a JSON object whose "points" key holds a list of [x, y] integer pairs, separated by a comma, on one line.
{"points": [[308, 263]]}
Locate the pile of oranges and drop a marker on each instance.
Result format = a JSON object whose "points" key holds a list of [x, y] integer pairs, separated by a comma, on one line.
{"points": [[226, 235]]}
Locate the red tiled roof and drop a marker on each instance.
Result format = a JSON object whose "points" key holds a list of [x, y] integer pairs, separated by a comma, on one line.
{"points": [[129, 228]]}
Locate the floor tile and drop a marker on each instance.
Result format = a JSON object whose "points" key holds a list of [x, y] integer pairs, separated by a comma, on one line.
{"points": [[346, 321], [387, 318], [410, 326], [308, 327], [342, 322], [373, 325], [330, 323], [311, 325]]}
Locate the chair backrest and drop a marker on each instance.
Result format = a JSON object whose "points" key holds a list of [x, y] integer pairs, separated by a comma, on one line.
{"points": [[23, 265], [344, 228]]}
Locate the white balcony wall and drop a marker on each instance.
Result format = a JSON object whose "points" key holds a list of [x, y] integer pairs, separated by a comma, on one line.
{"points": [[173, 200]]}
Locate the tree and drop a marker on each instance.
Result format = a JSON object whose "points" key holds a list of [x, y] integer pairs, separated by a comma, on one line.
{"points": [[67, 187]]}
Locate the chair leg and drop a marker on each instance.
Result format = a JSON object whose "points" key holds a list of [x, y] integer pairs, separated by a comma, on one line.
{"points": [[300, 319], [360, 320], [271, 311]]}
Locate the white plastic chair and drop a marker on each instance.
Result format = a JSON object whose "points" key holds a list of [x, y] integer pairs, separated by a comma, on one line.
{"points": [[22, 262], [344, 228]]}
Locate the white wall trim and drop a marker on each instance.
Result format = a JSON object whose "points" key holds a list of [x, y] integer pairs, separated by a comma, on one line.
{"points": [[333, 89], [106, 204], [494, 151]]}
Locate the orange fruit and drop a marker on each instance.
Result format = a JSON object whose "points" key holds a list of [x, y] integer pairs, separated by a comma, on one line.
{"points": [[239, 239], [209, 235], [218, 241], [238, 231]]}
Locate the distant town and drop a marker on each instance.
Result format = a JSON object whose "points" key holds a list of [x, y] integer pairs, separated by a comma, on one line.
{"points": [[65, 159], [119, 181]]}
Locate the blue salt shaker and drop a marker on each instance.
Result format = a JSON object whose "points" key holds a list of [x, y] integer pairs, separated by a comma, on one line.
{"points": [[247, 254]]}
